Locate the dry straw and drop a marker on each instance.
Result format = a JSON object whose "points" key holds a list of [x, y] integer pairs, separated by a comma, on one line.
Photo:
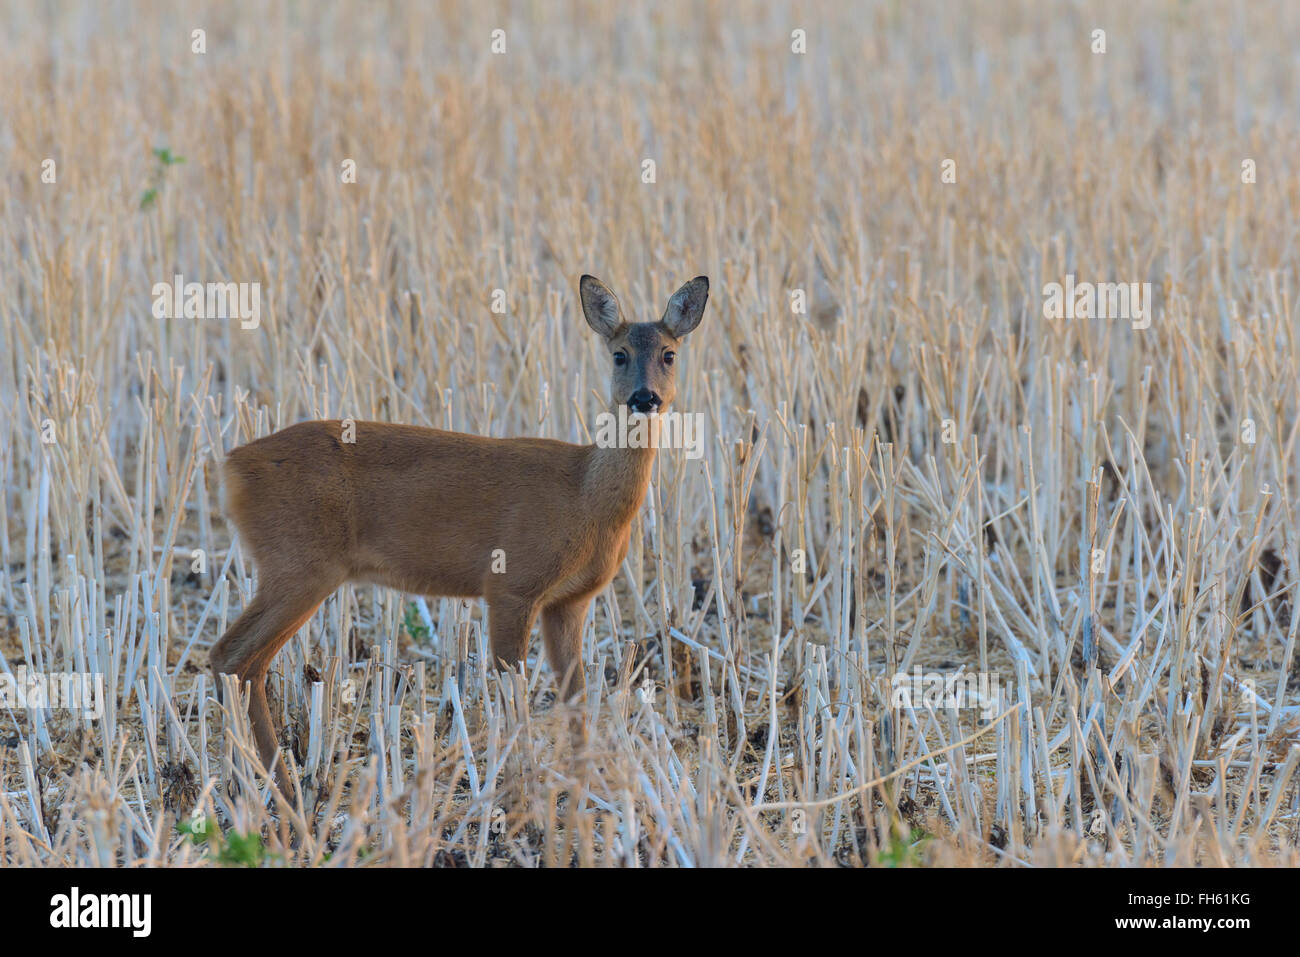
{"points": [[920, 471]]}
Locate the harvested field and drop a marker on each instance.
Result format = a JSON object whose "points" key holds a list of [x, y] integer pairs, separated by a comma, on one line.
{"points": [[921, 462]]}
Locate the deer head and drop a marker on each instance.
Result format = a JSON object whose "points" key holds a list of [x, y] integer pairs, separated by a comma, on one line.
{"points": [[644, 354]]}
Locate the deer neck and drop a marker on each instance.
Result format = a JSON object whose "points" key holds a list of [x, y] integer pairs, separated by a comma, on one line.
{"points": [[618, 472]]}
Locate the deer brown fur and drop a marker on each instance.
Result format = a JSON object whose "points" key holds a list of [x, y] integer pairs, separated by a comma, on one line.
{"points": [[426, 511]]}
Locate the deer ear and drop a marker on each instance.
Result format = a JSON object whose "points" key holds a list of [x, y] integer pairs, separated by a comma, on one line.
{"points": [[686, 307], [599, 306]]}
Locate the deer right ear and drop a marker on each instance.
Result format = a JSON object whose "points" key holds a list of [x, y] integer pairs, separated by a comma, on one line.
{"points": [[599, 306], [686, 307]]}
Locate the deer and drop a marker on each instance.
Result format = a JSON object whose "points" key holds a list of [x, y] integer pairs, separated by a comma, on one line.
{"points": [[536, 527]]}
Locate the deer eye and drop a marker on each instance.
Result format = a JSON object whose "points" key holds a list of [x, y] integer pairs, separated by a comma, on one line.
{"points": [[620, 358], [669, 357]]}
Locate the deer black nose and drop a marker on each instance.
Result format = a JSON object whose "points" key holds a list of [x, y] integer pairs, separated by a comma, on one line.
{"points": [[643, 400]]}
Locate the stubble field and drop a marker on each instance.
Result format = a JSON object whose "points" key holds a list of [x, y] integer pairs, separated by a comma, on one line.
{"points": [[907, 467]]}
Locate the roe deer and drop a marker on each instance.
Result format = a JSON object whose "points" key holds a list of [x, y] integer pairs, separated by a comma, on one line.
{"points": [[424, 511]]}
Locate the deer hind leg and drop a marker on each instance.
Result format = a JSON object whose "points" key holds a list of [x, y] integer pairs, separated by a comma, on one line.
{"points": [[281, 606], [562, 632]]}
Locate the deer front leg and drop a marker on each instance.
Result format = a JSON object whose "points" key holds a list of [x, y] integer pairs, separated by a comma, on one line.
{"points": [[562, 632], [510, 620]]}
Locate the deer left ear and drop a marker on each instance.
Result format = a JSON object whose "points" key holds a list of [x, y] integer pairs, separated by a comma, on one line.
{"points": [[599, 306], [686, 307]]}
